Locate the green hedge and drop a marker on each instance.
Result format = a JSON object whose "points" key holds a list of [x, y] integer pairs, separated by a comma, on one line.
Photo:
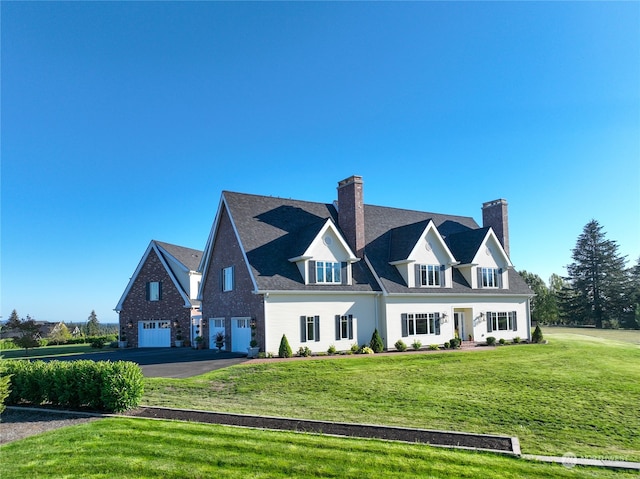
{"points": [[99, 385]]}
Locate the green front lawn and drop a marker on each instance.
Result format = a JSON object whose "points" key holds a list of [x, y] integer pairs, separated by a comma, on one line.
{"points": [[52, 351], [136, 448], [567, 396]]}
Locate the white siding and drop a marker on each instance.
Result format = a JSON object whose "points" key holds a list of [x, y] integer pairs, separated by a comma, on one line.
{"points": [[283, 312]]}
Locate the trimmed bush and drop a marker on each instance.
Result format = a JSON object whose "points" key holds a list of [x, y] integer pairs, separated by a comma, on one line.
{"points": [[4, 384], [491, 341], [537, 337], [8, 344], [366, 350], [376, 342], [447, 345], [332, 350], [102, 385], [400, 345], [355, 348], [455, 343], [434, 347], [516, 340], [417, 344], [502, 341], [285, 350], [304, 352]]}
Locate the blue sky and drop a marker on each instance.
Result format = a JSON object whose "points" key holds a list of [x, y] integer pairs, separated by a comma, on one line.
{"points": [[122, 122]]}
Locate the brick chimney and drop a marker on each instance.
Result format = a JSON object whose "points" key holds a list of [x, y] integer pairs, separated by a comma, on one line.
{"points": [[351, 213], [496, 215]]}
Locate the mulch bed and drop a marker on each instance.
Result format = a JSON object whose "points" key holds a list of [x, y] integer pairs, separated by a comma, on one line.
{"points": [[501, 444]]}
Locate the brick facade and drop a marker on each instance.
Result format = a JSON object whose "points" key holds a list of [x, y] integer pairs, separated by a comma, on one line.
{"points": [[137, 308], [351, 213], [496, 215], [241, 302]]}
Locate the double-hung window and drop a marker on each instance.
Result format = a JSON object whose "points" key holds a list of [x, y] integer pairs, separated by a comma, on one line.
{"points": [[227, 279], [154, 290], [309, 328], [502, 321], [420, 323], [328, 272], [490, 277], [344, 327], [430, 274]]}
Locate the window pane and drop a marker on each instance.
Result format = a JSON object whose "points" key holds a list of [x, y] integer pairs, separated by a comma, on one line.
{"points": [[336, 272], [344, 327], [502, 321], [320, 272], [328, 273], [154, 291], [421, 324], [310, 329], [423, 276]]}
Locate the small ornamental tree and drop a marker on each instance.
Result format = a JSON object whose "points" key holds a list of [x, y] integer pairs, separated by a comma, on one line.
{"points": [[376, 342], [28, 332], [537, 337], [285, 350]]}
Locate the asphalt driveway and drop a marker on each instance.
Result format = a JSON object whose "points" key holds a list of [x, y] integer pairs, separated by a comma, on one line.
{"points": [[166, 362]]}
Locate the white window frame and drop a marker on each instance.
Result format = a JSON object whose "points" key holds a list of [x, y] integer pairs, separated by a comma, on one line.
{"points": [[227, 279], [504, 318], [427, 319], [430, 275], [490, 277], [328, 269], [154, 290]]}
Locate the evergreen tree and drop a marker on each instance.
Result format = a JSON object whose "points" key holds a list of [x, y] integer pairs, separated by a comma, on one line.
{"points": [[544, 309], [93, 325], [28, 332], [632, 319], [376, 342], [285, 350], [598, 277]]}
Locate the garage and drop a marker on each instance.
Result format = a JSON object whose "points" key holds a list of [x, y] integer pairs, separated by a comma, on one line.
{"points": [[240, 334], [154, 334]]}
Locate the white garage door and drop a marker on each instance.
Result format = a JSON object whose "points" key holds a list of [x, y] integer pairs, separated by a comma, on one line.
{"points": [[154, 334], [240, 334]]}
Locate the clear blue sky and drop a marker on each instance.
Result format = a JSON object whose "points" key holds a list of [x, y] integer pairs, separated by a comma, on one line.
{"points": [[122, 122]]}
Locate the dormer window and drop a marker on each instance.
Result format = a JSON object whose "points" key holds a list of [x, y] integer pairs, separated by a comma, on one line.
{"points": [[430, 274], [328, 272], [490, 277]]}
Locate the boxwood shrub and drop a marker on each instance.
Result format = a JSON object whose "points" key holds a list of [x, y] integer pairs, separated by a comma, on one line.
{"points": [[99, 385]]}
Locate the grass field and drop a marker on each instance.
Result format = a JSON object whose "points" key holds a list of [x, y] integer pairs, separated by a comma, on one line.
{"points": [[624, 335], [135, 448], [52, 351], [571, 395]]}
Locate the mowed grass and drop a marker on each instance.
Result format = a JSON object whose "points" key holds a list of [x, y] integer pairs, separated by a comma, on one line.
{"points": [[566, 396], [138, 448], [625, 335], [51, 351]]}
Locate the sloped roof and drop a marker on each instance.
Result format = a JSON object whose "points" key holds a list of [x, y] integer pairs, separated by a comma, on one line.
{"points": [[189, 257], [272, 230]]}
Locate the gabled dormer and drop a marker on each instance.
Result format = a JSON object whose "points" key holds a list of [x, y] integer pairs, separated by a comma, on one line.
{"points": [[327, 258], [483, 261], [421, 256]]}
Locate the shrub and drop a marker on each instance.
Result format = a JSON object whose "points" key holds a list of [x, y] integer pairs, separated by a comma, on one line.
{"points": [[285, 350], [516, 340], [366, 350], [491, 341], [8, 344], [447, 345], [332, 350], [103, 385], [400, 345], [97, 343], [355, 348], [502, 341], [4, 384], [304, 352], [434, 347], [537, 337], [376, 342], [455, 343], [416, 344]]}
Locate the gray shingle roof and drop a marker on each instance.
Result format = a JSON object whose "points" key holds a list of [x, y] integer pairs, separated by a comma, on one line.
{"points": [[190, 258], [272, 230]]}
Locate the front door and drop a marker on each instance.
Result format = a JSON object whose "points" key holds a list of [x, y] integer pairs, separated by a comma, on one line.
{"points": [[240, 334], [216, 325]]}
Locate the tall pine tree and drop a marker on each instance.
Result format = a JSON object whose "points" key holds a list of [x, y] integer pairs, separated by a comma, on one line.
{"points": [[93, 325], [598, 278]]}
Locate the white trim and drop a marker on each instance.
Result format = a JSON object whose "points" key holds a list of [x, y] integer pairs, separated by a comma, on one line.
{"points": [[153, 246], [211, 241], [431, 226], [483, 244], [315, 292], [330, 225], [384, 292]]}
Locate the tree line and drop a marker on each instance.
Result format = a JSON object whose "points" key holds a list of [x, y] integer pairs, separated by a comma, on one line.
{"points": [[599, 290]]}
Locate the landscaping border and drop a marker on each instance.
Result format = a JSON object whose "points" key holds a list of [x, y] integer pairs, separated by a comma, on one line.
{"points": [[459, 440]]}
